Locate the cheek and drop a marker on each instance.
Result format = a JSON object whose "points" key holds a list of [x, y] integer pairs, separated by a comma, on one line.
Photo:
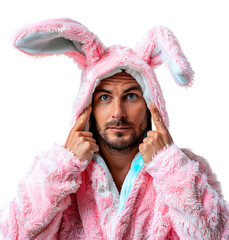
{"points": [[136, 114], [101, 114]]}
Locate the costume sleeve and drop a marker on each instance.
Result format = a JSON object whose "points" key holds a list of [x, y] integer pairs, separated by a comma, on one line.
{"points": [[43, 195], [187, 185]]}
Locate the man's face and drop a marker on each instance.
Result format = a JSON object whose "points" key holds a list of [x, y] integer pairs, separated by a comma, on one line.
{"points": [[120, 112]]}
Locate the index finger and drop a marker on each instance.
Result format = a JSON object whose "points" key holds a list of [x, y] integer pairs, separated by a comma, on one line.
{"points": [[82, 120], [157, 119]]}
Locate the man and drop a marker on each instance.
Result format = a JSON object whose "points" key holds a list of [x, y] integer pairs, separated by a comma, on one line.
{"points": [[121, 120], [115, 177]]}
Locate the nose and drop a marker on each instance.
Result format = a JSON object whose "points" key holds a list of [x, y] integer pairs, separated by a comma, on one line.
{"points": [[118, 110]]}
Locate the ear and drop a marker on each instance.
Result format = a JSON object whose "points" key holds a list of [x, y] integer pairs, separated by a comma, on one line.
{"points": [[158, 46], [60, 36]]}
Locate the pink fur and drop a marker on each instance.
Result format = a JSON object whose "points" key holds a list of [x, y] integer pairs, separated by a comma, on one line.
{"points": [[176, 195], [171, 199], [97, 60], [72, 30], [118, 56], [169, 44]]}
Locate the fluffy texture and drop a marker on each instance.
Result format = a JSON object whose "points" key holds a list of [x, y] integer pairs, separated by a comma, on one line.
{"points": [[71, 38], [88, 48], [176, 196]]}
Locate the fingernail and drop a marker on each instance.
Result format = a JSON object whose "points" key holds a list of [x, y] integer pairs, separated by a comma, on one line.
{"points": [[152, 104]]}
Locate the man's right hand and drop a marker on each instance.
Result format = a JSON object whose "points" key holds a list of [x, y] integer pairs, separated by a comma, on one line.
{"points": [[82, 143]]}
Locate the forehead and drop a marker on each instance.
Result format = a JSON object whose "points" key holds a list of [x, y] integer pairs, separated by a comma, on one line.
{"points": [[121, 80]]}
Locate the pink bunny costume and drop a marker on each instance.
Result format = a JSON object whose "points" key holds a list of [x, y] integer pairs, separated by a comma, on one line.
{"points": [[176, 196]]}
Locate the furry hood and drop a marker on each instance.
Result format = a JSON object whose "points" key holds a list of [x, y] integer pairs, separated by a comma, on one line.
{"points": [[71, 38]]}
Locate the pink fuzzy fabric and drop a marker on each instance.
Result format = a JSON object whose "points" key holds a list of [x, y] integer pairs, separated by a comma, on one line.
{"points": [[72, 30], [96, 60], [176, 196]]}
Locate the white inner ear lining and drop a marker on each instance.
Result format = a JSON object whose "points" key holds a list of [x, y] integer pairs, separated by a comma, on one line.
{"points": [[42, 42]]}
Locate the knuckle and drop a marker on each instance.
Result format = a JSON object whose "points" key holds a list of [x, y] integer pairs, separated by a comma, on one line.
{"points": [[144, 146], [80, 119], [150, 133], [154, 110], [158, 119]]}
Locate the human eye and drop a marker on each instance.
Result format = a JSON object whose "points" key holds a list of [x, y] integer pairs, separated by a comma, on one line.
{"points": [[104, 97], [131, 96]]}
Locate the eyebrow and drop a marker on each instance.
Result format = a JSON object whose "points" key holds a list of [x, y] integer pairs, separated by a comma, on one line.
{"points": [[132, 88], [102, 90], [125, 91]]}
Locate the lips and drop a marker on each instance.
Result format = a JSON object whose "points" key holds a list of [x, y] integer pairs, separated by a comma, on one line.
{"points": [[119, 128]]}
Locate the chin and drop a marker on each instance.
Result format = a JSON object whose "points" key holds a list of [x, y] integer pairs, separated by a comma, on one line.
{"points": [[119, 136], [120, 140]]}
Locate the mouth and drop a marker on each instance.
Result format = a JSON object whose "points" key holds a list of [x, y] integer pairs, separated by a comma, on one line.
{"points": [[119, 128]]}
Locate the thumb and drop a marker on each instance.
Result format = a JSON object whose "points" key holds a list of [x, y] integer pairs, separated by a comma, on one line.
{"points": [[82, 120]]}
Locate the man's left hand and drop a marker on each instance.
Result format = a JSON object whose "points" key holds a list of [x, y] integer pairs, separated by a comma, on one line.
{"points": [[155, 140]]}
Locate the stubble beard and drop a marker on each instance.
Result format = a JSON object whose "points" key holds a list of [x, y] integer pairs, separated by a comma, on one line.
{"points": [[119, 144]]}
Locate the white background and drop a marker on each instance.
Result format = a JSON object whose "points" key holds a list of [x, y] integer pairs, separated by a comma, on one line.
{"points": [[36, 95]]}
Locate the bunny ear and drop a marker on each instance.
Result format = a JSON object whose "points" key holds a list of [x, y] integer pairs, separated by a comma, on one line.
{"points": [[158, 46], [60, 36]]}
